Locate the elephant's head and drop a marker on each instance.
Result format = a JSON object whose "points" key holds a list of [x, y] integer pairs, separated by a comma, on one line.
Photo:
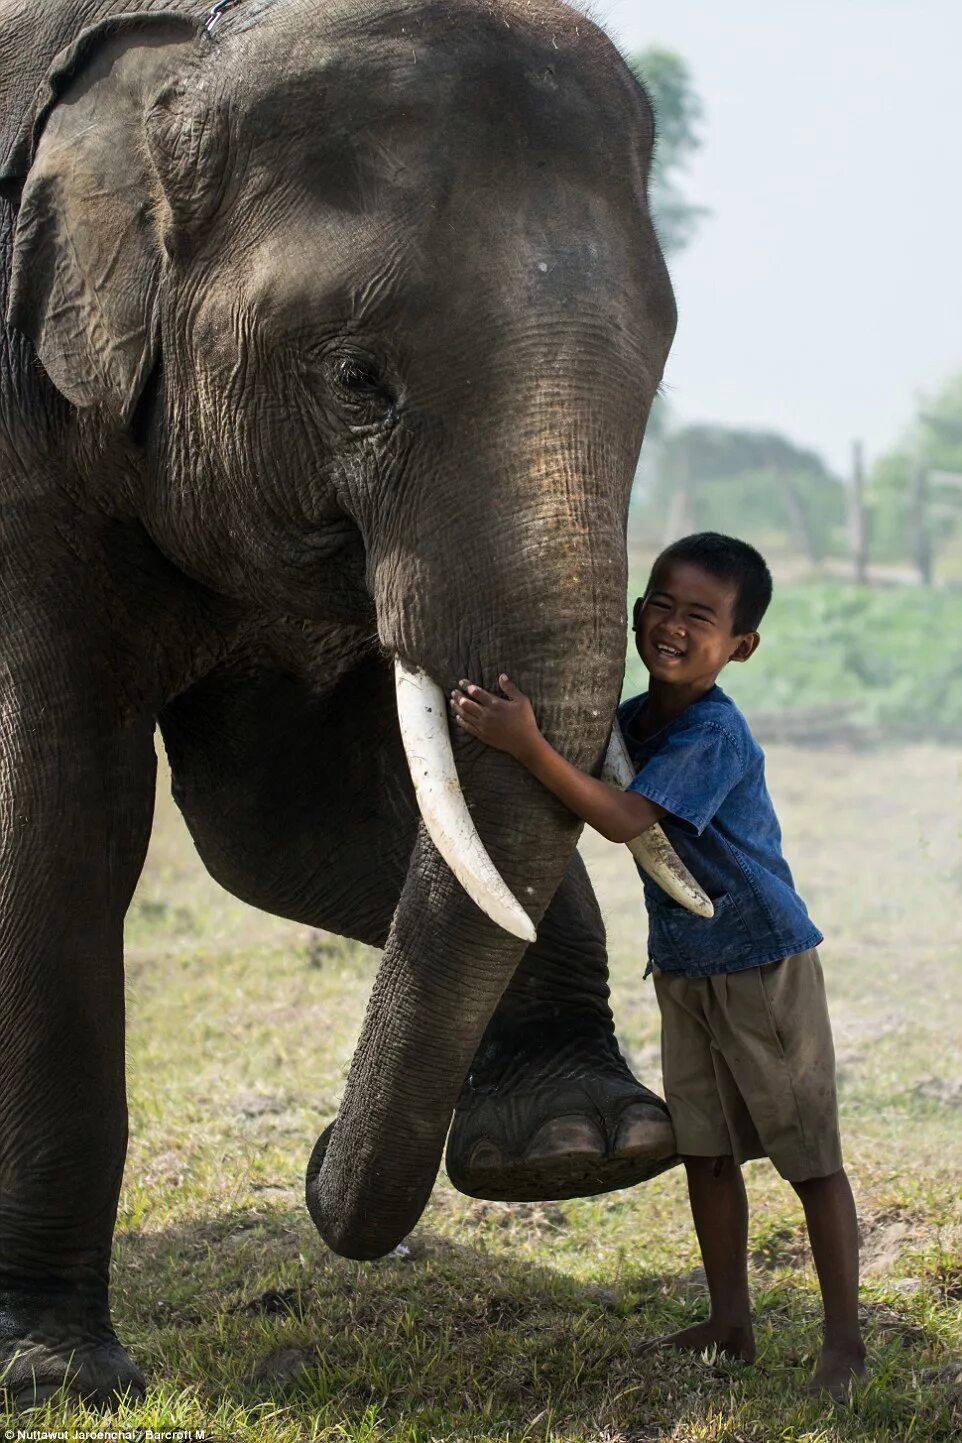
{"points": [[374, 292]]}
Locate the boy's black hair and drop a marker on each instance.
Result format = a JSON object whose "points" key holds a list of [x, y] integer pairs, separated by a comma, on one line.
{"points": [[728, 559]]}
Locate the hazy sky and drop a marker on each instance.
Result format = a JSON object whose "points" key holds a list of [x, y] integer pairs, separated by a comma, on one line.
{"points": [[824, 293]]}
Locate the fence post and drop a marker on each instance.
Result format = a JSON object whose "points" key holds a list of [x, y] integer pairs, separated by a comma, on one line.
{"points": [[918, 530], [857, 529]]}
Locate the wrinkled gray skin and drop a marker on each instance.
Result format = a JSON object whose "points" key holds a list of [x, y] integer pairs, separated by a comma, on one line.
{"points": [[331, 338]]}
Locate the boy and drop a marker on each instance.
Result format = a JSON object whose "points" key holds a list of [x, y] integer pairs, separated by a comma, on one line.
{"points": [[749, 1066]]}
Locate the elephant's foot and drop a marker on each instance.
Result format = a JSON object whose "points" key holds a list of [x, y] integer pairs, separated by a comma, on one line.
{"points": [[52, 1346], [571, 1138]]}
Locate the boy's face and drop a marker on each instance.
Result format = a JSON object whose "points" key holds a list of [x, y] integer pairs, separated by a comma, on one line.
{"points": [[684, 626]]}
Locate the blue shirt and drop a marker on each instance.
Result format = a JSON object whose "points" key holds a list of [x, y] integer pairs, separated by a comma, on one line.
{"points": [[708, 771]]}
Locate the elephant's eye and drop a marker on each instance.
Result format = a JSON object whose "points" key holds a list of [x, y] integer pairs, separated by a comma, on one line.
{"points": [[358, 377], [366, 398]]}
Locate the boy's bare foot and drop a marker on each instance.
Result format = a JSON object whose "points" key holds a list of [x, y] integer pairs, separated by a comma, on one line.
{"points": [[839, 1368], [734, 1341]]}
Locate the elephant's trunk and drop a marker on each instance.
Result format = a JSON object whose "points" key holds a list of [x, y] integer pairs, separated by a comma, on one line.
{"points": [[544, 602], [445, 967]]}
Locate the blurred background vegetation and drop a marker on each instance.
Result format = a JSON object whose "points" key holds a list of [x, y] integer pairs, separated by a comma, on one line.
{"points": [[864, 637]]}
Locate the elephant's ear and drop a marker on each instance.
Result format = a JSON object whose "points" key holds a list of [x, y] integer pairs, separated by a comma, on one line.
{"points": [[96, 207]]}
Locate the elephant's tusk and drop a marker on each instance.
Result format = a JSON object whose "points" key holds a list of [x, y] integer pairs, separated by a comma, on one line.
{"points": [[652, 850], [423, 717]]}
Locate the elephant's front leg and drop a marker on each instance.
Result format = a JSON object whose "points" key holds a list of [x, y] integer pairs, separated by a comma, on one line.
{"points": [[76, 795], [550, 1109]]}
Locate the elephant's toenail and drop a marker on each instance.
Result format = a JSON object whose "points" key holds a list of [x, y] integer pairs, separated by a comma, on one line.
{"points": [[566, 1137], [644, 1132], [485, 1157]]}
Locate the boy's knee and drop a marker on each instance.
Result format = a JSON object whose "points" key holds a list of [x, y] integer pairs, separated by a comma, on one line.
{"points": [[829, 1182]]}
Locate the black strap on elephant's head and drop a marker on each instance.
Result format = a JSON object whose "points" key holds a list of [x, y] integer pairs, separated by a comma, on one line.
{"points": [[252, 11], [216, 11]]}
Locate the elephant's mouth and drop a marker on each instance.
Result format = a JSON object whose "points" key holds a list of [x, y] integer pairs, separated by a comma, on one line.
{"points": [[422, 715]]}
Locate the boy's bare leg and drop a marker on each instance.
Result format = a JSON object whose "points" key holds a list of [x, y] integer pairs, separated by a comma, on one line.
{"points": [[719, 1208], [833, 1234]]}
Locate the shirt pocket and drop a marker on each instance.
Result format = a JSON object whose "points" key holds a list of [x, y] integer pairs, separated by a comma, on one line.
{"points": [[699, 942]]}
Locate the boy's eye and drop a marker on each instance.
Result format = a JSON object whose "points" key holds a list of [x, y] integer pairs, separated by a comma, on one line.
{"points": [[696, 617], [658, 605]]}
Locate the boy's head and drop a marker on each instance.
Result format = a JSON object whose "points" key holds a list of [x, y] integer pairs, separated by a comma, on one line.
{"points": [[702, 608]]}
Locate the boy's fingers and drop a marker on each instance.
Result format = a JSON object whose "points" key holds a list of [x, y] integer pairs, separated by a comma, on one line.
{"points": [[476, 693], [508, 687], [466, 707]]}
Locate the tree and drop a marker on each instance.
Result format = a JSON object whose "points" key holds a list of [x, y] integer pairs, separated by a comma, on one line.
{"points": [[757, 483], [678, 112]]}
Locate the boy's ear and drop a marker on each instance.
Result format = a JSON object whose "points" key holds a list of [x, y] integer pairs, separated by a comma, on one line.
{"points": [[747, 646], [636, 612]]}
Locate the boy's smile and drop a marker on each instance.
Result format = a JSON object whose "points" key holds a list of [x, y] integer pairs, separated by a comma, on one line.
{"points": [[684, 628]]}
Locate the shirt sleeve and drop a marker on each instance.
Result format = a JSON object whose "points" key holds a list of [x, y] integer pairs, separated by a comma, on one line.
{"points": [[691, 775]]}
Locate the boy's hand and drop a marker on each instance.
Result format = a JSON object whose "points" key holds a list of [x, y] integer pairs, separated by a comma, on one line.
{"points": [[507, 722], [509, 725]]}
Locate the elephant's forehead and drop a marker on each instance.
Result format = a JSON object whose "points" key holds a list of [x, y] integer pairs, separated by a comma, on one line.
{"points": [[487, 265], [461, 178]]}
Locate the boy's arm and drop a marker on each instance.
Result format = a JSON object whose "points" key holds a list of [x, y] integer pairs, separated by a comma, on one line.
{"points": [[510, 726]]}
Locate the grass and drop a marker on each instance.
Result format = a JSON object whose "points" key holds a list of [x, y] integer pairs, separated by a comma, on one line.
{"points": [[892, 654], [516, 1322]]}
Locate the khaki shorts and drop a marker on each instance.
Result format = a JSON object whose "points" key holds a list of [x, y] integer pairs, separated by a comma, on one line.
{"points": [[749, 1066]]}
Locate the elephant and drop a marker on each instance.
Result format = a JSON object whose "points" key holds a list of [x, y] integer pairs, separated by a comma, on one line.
{"points": [[330, 335]]}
